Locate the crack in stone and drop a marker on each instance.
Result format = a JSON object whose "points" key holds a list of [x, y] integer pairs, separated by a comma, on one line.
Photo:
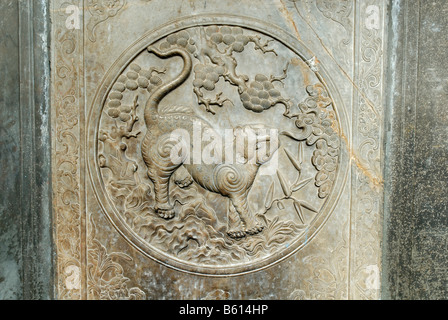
{"points": [[360, 91], [288, 16], [375, 179]]}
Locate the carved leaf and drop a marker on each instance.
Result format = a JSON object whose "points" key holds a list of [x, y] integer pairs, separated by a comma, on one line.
{"points": [[308, 206], [269, 196], [301, 153], [301, 185], [299, 211], [284, 185], [296, 163]]}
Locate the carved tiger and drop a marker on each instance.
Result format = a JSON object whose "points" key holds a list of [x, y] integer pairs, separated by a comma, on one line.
{"points": [[233, 181]]}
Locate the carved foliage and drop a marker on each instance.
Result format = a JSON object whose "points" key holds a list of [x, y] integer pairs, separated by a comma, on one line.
{"points": [[66, 176], [368, 182], [101, 10], [338, 11], [105, 275]]}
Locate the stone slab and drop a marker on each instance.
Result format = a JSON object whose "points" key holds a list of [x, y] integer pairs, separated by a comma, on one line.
{"points": [[312, 71]]}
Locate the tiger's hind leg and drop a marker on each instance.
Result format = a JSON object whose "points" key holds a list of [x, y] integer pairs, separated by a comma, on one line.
{"points": [[163, 207], [160, 169], [235, 229], [251, 224]]}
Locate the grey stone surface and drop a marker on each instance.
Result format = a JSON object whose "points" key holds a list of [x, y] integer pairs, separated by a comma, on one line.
{"points": [[25, 201], [416, 220], [10, 227]]}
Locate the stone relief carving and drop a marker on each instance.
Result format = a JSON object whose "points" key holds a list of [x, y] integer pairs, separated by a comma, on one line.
{"points": [[202, 213], [66, 179], [105, 276], [368, 175], [329, 274], [340, 44], [338, 11], [244, 75], [367, 83], [101, 10], [230, 181]]}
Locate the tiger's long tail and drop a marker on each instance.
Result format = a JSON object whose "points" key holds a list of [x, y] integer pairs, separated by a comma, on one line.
{"points": [[152, 106]]}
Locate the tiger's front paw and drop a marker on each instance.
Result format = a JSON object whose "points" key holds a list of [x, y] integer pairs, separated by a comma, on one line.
{"points": [[254, 227], [166, 213], [236, 234]]}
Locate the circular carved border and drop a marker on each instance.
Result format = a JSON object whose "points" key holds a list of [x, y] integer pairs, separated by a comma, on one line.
{"points": [[94, 118]]}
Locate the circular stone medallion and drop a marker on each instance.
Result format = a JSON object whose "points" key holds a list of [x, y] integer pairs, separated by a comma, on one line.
{"points": [[258, 167]]}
